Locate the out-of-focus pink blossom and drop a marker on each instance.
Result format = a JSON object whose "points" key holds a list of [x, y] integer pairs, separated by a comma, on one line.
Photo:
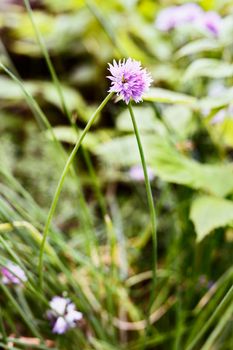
{"points": [[13, 274], [63, 314], [136, 173], [212, 22], [175, 16]]}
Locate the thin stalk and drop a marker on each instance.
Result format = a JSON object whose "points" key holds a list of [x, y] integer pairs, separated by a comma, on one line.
{"points": [[4, 346], [206, 326], [150, 202], [23, 344], [2, 328], [106, 26], [47, 58], [66, 111], [31, 101], [30, 324], [38, 112], [61, 181]]}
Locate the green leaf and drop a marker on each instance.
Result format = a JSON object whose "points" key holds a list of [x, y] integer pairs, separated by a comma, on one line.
{"points": [[180, 120], [145, 118], [209, 213], [167, 96], [197, 46], [168, 163], [223, 99], [11, 91], [92, 139], [211, 68], [224, 132]]}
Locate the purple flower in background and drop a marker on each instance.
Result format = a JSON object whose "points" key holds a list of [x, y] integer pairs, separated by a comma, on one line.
{"points": [[13, 274], [129, 80], [175, 16], [188, 13], [63, 314], [166, 19], [212, 22], [136, 173]]}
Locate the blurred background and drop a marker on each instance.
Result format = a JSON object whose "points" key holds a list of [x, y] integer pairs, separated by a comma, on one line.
{"points": [[54, 55]]}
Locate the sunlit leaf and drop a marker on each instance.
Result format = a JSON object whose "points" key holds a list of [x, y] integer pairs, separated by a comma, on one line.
{"points": [[197, 46], [167, 96], [168, 163], [211, 68], [209, 213], [145, 118]]}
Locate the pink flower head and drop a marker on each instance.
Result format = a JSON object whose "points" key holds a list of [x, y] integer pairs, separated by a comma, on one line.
{"points": [[129, 80], [63, 314], [136, 173], [13, 274], [212, 22]]}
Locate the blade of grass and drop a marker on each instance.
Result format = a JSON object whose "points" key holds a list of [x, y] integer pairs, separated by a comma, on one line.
{"points": [[17, 307], [216, 313], [66, 111], [61, 181]]}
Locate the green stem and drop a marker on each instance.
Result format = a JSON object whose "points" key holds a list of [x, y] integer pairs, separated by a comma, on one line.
{"points": [[47, 58], [2, 327], [61, 181], [150, 202], [64, 105], [16, 306]]}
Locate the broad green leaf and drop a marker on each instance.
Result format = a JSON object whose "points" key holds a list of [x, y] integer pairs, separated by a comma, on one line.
{"points": [[9, 90], [209, 213], [223, 99], [168, 163], [224, 131], [145, 118], [180, 120], [197, 46], [167, 96], [64, 134], [92, 139], [211, 68]]}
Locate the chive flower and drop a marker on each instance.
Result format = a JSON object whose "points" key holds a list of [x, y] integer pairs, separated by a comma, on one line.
{"points": [[13, 274], [128, 79], [63, 315]]}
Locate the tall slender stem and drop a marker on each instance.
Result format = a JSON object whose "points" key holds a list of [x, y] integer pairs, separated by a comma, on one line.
{"points": [[150, 202], [61, 181], [65, 109]]}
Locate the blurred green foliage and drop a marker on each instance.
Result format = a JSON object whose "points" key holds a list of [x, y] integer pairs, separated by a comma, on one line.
{"points": [[105, 266]]}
